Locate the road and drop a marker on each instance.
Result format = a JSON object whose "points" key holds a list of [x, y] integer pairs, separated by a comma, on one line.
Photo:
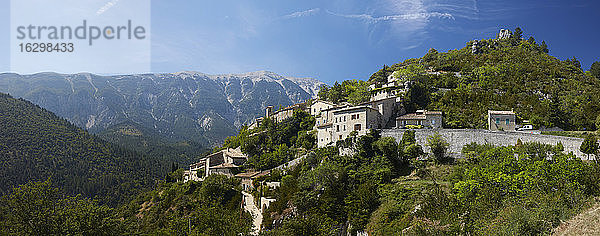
{"points": [[250, 206]]}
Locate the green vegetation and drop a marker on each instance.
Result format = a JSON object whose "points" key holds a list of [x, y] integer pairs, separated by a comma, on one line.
{"points": [[352, 91], [36, 145], [438, 146], [595, 69], [329, 191], [135, 137], [208, 208], [37, 208], [273, 144], [507, 74], [590, 146], [527, 189], [368, 183], [211, 207]]}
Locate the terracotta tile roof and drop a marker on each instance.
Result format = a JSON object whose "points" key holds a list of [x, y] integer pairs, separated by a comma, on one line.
{"points": [[501, 112], [419, 115], [224, 165], [326, 102], [247, 174], [266, 172], [354, 108], [412, 116], [235, 153], [433, 112]]}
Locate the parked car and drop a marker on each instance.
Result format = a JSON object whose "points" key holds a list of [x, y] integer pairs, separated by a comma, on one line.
{"points": [[525, 127]]}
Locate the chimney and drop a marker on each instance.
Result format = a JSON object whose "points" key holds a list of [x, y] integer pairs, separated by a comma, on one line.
{"points": [[269, 111]]}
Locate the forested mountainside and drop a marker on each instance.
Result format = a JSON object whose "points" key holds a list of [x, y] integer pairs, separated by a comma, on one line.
{"points": [[149, 142], [37, 145], [500, 74], [364, 184], [185, 106]]}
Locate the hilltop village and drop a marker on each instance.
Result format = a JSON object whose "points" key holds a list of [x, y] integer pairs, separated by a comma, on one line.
{"points": [[384, 112], [335, 122]]}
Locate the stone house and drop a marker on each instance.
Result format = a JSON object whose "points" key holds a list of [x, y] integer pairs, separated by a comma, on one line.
{"points": [[392, 89], [388, 108], [286, 112], [224, 162], [195, 171], [358, 118], [324, 126], [246, 179], [279, 115], [319, 106], [501, 120], [430, 119]]}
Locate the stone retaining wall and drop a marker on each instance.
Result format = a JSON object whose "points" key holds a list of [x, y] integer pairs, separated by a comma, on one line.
{"points": [[457, 138]]}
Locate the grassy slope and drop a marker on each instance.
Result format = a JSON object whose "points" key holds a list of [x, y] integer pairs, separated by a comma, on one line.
{"points": [[586, 223]]}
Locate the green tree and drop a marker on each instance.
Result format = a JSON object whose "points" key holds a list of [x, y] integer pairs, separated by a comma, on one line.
{"points": [[408, 138], [414, 151], [589, 145], [37, 208], [324, 93], [517, 36], [439, 147], [544, 47], [595, 69], [598, 123], [573, 61]]}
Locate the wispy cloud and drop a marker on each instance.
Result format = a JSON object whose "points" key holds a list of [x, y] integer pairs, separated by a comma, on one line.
{"points": [[412, 16], [297, 14]]}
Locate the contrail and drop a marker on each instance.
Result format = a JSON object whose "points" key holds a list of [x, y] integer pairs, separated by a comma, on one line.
{"points": [[106, 6]]}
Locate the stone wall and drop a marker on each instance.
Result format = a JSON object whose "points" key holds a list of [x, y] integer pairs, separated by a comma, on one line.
{"points": [[457, 138]]}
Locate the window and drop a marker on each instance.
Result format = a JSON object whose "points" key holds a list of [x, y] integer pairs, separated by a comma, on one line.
{"points": [[357, 127], [340, 136], [498, 121], [338, 128], [344, 127], [508, 121], [357, 116], [344, 118]]}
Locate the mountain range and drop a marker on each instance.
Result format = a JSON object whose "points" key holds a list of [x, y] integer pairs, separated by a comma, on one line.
{"points": [[183, 106]]}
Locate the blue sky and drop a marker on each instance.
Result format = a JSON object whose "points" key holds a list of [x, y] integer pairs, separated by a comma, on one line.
{"points": [[338, 40]]}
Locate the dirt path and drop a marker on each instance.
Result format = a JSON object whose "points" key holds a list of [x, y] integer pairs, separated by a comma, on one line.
{"points": [[251, 207], [586, 223]]}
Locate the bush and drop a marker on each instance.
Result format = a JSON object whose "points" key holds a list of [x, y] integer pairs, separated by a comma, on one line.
{"points": [[439, 147]]}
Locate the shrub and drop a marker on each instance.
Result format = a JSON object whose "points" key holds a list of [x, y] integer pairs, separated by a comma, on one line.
{"points": [[439, 147]]}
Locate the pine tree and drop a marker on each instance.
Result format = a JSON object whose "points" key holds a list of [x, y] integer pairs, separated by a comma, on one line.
{"points": [[595, 70], [518, 34], [589, 145], [544, 47]]}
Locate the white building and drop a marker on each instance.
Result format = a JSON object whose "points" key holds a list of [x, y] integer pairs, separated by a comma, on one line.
{"points": [[358, 118], [430, 119], [501, 120], [224, 162], [319, 106]]}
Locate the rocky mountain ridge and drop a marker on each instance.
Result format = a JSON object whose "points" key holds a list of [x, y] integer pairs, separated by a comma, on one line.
{"points": [[182, 106]]}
